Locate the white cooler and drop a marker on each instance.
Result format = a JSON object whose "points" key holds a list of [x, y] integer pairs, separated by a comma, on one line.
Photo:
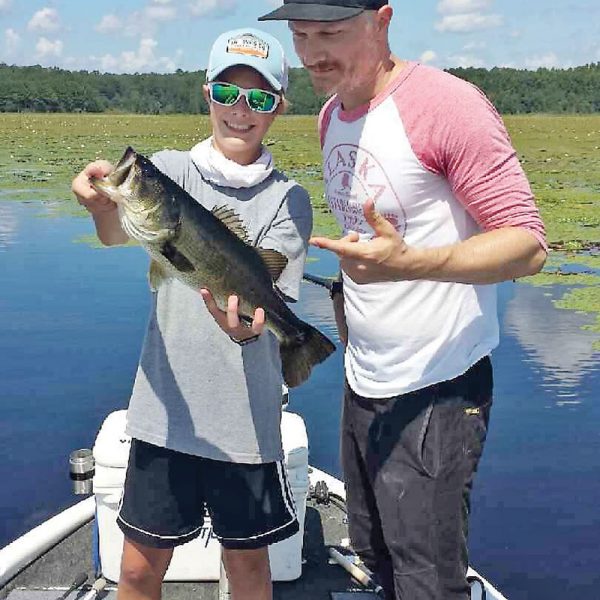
{"points": [[198, 560]]}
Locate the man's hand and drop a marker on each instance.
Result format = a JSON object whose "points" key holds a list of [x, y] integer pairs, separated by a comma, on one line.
{"points": [[385, 257], [229, 321], [486, 258], [87, 196]]}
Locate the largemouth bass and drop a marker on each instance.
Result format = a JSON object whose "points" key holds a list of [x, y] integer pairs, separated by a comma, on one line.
{"points": [[209, 249]]}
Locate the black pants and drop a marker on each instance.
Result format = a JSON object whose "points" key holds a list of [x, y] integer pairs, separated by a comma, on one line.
{"points": [[409, 463]]}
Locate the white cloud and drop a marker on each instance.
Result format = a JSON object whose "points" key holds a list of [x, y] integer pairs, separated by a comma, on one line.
{"points": [[454, 7], [212, 8], [474, 46], [466, 60], [547, 61], [428, 56], [143, 59], [45, 19], [161, 10], [109, 24], [46, 48], [145, 23], [465, 16], [11, 41], [468, 22]]}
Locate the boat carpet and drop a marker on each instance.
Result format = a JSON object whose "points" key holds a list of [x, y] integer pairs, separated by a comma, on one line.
{"points": [[324, 526], [20, 594]]}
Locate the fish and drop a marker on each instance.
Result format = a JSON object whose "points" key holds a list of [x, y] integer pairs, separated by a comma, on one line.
{"points": [[212, 250]]}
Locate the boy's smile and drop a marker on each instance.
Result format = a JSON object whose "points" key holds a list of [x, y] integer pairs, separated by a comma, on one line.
{"points": [[238, 131]]}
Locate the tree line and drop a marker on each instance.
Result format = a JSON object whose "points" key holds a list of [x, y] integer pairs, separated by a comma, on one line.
{"points": [[39, 89]]}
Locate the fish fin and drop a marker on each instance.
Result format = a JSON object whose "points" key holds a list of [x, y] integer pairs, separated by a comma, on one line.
{"points": [[232, 221], [274, 261], [176, 258], [156, 275], [300, 354]]}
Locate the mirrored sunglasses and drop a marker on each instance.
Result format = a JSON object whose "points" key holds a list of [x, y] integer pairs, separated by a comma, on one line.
{"points": [[227, 94]]}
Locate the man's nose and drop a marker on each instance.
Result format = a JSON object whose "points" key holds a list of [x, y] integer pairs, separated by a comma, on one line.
{"points": [[311, 53]]}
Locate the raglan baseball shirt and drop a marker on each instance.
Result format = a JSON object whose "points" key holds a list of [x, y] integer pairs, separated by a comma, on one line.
{"points": [[434, 154]]}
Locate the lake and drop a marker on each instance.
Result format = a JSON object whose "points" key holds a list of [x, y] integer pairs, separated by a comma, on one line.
{"points": [[72, 318]]}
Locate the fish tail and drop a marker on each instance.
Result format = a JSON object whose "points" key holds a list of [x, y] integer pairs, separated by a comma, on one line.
{"points": [[301, 353]]}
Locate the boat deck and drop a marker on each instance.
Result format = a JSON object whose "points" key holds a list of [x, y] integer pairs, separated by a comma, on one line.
{"points": [[324, 526]]}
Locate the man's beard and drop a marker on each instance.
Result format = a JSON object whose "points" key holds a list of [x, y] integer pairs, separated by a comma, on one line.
{"points": [[320, 85], [360, 76]]}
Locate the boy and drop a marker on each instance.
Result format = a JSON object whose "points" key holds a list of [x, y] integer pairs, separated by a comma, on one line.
{"points": [[205, 410]]}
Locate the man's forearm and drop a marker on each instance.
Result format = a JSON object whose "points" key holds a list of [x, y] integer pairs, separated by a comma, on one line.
{"points": [[490, 257]]}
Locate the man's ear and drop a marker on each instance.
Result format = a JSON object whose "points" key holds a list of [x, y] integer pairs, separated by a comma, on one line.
{"points": [[205, 93], [384, 16]]}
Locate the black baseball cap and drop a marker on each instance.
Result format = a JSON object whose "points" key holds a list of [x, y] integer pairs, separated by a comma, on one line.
{"points": [[321, 10]]}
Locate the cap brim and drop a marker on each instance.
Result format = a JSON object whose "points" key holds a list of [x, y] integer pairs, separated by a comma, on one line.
{"points": [[311, 12], [246, 61]]}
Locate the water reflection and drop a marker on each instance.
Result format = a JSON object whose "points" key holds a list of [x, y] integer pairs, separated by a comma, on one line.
{"points": [[553, 338], [316, 307], [8, 224], [71, 324]]}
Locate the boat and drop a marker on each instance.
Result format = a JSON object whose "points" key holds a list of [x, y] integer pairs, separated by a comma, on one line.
{"points": [[75, 555]]}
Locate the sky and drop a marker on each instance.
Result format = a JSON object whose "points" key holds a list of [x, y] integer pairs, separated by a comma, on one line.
{"points": [[161, 36]]}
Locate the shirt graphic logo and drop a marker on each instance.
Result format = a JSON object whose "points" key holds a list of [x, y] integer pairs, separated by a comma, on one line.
{"points": [[352, 176]]}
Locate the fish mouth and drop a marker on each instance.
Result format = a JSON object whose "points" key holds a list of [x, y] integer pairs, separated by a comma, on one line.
{"points": [[123, 168], [110, 184]]}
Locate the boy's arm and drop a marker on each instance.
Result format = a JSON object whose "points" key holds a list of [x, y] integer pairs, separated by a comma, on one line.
{"points": [[288, 234], [103, 210]]}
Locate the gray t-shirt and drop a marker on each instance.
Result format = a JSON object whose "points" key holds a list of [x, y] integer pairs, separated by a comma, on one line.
{"points": [[196, 391]]}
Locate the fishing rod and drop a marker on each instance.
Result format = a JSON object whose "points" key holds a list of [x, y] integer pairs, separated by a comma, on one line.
{"points": [[325, 282], [358, 571], [98, 586], [77, 582]]}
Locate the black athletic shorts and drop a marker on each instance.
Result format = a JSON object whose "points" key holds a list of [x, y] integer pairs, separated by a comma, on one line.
{"points": [[166, 494]]}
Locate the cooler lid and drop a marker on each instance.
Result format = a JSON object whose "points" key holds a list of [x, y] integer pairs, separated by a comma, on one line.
{"points": [[111, 448]]}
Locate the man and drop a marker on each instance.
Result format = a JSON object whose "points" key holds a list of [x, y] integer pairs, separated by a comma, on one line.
{"points": [[435, 208]]}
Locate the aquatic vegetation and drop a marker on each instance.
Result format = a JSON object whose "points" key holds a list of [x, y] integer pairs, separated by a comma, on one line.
{"points": [[561, 155], [585, 300], [41, 153]]}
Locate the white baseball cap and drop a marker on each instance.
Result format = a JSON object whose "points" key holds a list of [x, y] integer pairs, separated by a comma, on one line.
{"points": [[252, 48]]}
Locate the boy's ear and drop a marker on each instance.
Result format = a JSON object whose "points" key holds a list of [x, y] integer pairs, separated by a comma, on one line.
{"points": [[205, 93], [283, 107]]}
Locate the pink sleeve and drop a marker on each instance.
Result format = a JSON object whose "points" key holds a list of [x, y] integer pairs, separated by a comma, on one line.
{"points": [[325, 117], [456, 132]]}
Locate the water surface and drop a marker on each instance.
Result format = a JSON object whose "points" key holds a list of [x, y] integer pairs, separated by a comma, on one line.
{"points": [[72, 319]]}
